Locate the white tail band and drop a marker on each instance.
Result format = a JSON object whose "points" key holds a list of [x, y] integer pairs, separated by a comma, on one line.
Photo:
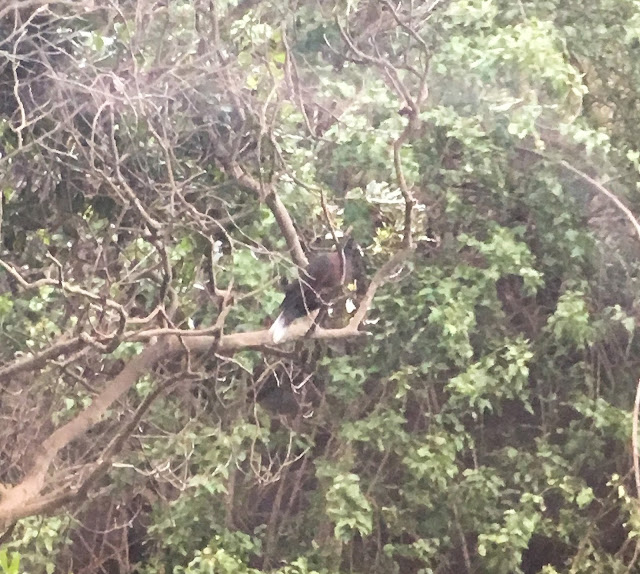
{"points": [[278, 330]]}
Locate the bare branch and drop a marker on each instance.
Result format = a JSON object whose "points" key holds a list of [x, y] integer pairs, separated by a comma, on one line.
{"points": [[602, 189], [280, 212], [40, 359], [409, 200], [406, 26], [62, 284], [17, 500], [382, 64]]}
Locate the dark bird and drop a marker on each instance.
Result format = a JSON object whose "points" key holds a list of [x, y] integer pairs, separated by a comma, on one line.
{"points": [[317, 283]]}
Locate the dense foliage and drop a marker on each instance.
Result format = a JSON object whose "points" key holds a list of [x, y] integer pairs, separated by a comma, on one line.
{"points": [[161, 165]]}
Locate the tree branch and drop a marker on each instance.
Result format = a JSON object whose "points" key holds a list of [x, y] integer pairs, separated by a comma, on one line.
{"points": [[273, 201], [409, 200], [25, 498], [40, 359], [17, 500]]}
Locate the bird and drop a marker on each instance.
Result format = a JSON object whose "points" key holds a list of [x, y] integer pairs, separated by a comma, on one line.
{"points": [[324, 274]]}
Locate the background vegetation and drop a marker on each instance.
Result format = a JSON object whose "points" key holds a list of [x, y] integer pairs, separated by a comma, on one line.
{"points": [[165, 165]]}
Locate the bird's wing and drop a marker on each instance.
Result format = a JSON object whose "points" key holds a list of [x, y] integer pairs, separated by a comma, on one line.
{"points": [[321, 272]]}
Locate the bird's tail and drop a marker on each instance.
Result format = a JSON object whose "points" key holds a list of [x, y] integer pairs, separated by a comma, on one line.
{"points": [[298, 302], [279, 328]]}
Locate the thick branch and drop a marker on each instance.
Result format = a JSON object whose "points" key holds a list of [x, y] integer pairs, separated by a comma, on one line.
{"points": [[273, 201], [409, 200], [286, 226], [53, 501], [16, 499], [25, 498], [40, 359]]}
